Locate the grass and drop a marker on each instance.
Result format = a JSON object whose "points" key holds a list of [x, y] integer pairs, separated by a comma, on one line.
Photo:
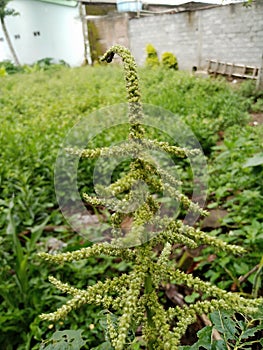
{"points": [[38, 109]]}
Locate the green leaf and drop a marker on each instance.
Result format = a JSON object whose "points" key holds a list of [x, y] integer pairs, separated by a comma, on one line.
{"points": [[224, 324], [192, 297], [204, 341], [205, 336], [66, 340], [256, 160], [212, 205], [251, 332], [219, 345]]}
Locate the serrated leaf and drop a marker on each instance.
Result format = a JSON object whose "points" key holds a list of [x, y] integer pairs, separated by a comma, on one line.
{"points": [[204, 341], [224, 324], [205, 336], [219, 345], [251, 332]]}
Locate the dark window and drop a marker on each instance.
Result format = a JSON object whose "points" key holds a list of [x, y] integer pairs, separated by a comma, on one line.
{"points": [[1, 39], [36, 33], [17, 36]]}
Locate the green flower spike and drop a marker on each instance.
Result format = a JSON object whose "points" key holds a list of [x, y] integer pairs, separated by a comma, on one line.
{"points": [[134, 296]]}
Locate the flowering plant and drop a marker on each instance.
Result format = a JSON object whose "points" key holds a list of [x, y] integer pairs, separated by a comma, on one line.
{"points": [[133, 296]]}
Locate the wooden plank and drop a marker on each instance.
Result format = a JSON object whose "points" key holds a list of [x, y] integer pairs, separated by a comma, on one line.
{"points": [[231, 69]]}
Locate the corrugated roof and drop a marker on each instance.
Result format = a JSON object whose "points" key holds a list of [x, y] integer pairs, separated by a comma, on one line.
{"points": [[70, 3]]}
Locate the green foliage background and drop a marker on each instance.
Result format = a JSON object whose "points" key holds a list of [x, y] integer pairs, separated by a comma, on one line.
{"points": [[37, 109]]}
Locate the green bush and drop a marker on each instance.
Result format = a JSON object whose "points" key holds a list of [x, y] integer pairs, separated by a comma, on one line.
{"points": [[169, 60], [9, 67], [235, 185], [152, 59], [36, 112], [207, 106]]}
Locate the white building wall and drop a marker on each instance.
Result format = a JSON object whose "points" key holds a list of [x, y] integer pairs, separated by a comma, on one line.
{"points": [[44, 30]]}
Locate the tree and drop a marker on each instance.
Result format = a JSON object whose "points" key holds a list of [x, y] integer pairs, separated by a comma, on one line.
{"points": [[4, 12]]}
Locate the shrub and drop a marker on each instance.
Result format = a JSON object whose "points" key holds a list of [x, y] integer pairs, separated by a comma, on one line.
{"points": [[9, 67], [169, 60], [152, 59]]}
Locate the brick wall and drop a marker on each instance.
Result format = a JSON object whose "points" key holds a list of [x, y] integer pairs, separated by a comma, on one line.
{"points": [[231, 33]]}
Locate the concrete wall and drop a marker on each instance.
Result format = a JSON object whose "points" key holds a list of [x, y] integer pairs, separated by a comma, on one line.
{"points": [[107, 31], [44, 30], [231, 33]]}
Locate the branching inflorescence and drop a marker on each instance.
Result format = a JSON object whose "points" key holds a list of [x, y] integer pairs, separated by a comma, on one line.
{"points": [[134, 296]]}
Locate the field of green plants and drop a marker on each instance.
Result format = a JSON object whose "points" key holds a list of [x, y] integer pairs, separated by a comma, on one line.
{"points": [[37, 109]]}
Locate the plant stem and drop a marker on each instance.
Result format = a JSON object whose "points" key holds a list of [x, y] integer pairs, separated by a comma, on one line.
{"points": [[257, 279]]}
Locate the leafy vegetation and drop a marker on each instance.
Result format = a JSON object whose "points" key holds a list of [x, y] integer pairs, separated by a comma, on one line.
{"points": [[238, 332], [169, 60], [37, 109], [152, 59], [7, 67]]}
